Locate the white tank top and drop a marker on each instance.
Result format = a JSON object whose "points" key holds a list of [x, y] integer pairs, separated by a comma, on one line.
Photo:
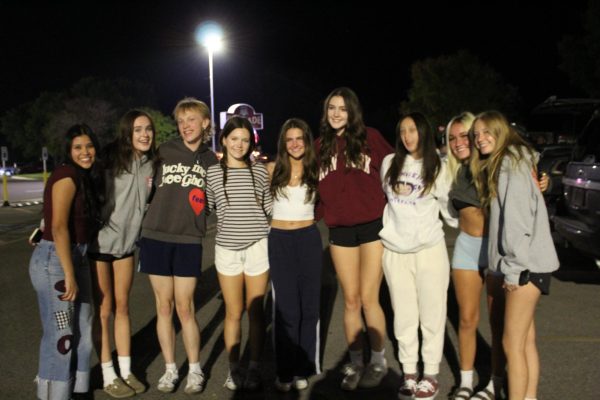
{"points": [[292, 207]]}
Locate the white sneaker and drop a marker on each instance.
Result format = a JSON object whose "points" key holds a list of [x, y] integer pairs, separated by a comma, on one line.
{"points": [[167, 382], [300, 383], [234, 380], [195, 382]]}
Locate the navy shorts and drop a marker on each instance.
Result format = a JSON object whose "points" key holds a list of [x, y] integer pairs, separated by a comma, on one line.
{"points": [[355, 235], [170, 259]]}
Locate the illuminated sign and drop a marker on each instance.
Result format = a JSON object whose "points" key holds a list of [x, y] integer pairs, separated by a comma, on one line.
{"points": [[245, 111]]}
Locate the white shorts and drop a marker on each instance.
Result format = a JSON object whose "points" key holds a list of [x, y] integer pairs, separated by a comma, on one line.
{"points": [[251, 261]]}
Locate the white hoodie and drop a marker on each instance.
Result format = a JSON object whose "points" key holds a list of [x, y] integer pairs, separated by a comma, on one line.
{"points": [[411, 222]]}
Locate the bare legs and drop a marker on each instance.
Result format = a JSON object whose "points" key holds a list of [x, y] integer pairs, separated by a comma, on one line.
{"points": [[176, 293], [496, 303], [112, 284], [232, 288], [519, 342], [468, 285], [360, 273]]}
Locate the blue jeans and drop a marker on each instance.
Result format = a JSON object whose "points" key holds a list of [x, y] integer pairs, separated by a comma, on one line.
{"points": [[66, 346]]}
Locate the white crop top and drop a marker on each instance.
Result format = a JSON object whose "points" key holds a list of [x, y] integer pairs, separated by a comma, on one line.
{"points": [[292, 207]]}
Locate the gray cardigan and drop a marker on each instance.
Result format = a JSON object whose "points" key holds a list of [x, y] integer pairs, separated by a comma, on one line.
{"points": [[519, 231], [129, 195]]}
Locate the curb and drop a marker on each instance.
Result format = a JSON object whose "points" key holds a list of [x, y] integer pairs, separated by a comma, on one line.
{"points": [[25, 203]]}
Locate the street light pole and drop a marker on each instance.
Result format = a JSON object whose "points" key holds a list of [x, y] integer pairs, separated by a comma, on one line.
{"points": [[212, 97], [209, 34]]}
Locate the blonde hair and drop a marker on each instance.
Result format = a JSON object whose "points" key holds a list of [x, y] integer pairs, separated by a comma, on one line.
{"points": [[486, 168], [465, 118], [193, 104]]}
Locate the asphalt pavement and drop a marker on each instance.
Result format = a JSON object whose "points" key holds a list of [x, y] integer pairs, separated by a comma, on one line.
{"points": [[568, 327]]}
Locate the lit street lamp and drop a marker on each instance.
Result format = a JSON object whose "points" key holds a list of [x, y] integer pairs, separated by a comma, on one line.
{"points": [[209, 34]]}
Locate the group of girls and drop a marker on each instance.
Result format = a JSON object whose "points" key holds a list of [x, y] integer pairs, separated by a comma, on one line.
{"points": [[382, 208], [490, 182]]}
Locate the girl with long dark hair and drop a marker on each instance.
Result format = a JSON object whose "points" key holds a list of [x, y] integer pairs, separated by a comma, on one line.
{"points": [[129, 163], [351, 202], [59, 269], [295, 257], [238, 188], [415, 259]]}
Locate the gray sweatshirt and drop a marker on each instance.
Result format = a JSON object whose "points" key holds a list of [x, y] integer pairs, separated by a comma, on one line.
{"points": [[519, 231], [129, 195], [176, 213]]}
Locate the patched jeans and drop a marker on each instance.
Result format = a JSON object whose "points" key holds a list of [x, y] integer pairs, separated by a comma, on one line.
{"points": [[66, 346]]}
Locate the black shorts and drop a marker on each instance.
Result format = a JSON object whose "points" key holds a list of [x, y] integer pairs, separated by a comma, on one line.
{"points": [[541, 281], [107, 257], [355, 235], [170, 259]]}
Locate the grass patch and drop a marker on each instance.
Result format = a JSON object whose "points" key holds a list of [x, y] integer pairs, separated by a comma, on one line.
{"points": [[35, 175]]}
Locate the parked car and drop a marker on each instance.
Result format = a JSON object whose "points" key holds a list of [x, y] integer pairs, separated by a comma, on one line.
{"points": [[553, 162], [553, 128], [8, 171], [579, 223]]}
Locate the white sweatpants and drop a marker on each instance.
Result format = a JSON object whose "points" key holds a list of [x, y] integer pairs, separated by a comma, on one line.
{"points": [[418, 284]]}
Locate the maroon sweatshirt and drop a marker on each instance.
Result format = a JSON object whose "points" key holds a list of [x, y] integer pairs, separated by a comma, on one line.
{"points": [[351, 196]]}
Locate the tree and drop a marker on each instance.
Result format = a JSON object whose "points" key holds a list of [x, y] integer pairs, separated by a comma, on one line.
{"points": [[164, 124], [23, 125], [98, 114], [581, 53], [445, 86]]}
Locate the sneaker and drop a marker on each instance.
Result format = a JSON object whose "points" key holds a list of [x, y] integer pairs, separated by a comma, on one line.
{"points": [[283, 386], [135, 384], [300, 383], [373, 375], [119, 389], [234, 380], [427, 389], [253, 380], [195, 382], [167, 382], [352, 374], [409, 387]]}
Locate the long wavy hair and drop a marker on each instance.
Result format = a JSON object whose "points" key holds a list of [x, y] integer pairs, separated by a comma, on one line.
{"points": [[486, 168], [119, 154], [427, 149], [283, 171], [191, 103], [232, 124], [466, 119], [355, 132], [91, 181]]}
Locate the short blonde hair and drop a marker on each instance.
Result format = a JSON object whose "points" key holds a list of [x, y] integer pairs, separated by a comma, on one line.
{"points": [[193, 104]]}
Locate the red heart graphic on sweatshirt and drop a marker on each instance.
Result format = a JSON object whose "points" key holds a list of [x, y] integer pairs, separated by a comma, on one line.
{"points": [[196, 199]]}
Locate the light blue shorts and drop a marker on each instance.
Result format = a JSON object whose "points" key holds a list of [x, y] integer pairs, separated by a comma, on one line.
{"points": [[470, 252]]}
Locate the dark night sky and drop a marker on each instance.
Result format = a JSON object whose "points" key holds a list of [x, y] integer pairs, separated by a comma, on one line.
{"points": [[282, 57]]}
